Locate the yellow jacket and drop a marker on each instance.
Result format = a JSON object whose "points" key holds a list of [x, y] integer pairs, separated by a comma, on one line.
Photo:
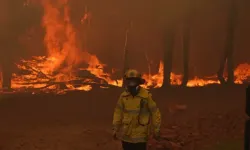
{"points": [[136, 116]]}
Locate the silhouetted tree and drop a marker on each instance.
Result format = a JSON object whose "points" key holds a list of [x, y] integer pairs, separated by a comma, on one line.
{"points": [[186, 45], [125, 49], [168, 55], [186, 39], [247, 124], [229, 47], [18, 18]]}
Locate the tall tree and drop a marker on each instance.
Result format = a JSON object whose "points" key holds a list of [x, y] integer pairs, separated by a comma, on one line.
{"points": [[229, 47], [186, 39], [186, 44], [8, 37], [125, 49], [168, 55], [15, 23]]}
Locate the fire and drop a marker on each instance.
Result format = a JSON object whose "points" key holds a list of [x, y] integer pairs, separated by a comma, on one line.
{"points": [[203, 82], [156, 80], [62, 69], [60, 38], [242, 73], [97, 70]]}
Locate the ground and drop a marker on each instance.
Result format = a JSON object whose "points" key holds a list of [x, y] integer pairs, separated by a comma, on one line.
{"points": [[207, 118]]}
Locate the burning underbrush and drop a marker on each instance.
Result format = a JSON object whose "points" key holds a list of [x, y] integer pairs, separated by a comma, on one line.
{"points": [[34, 74]]}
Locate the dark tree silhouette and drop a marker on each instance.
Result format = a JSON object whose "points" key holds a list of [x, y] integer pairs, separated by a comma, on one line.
{"points": [[186, 39], [168, 55], [247, 124], [229, 47], [125, 49], [186, 45], [19, 17]]}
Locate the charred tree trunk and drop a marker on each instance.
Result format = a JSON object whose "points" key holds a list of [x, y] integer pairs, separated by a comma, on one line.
{"points": [[10, 49], [186, 40], [247, 124], [186, 43], [7, 66], [125, 56], [229, 48], [168, 56], [125, 49]]}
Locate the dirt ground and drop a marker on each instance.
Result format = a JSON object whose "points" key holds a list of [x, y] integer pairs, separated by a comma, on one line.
{"points": [[193, 119]]}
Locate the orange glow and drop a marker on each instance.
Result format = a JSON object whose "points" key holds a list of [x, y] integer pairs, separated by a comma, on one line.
{"points": [[242, 73]]}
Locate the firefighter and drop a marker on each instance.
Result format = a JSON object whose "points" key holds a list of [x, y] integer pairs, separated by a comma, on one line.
{"points": [[136, 115]]}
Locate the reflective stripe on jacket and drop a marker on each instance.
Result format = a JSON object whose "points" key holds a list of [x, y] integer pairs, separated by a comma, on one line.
{"points": [[135, 116]]}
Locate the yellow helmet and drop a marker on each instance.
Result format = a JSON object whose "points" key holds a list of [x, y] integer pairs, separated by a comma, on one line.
{"points": [[134, 74], [131, 73]]}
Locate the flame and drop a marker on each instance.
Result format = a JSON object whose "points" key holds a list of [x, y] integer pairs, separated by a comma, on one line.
{"points": [[61, 70], [58, 70], [60, 38], [242, 73], [156, 80]]}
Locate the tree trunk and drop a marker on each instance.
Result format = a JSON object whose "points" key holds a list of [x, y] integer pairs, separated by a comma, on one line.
{"points": [[125, 50], [125, 54], [10, 49], [186, 40], [229, 48], [6, 72], [247, 124], [168, 56]]}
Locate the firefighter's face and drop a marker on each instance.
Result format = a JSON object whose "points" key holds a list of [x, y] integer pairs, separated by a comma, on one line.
{"points": [[132, 82], [132, 85]]}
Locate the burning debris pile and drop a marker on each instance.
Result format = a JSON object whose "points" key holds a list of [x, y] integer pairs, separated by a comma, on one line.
{"points": [[62, 69]]}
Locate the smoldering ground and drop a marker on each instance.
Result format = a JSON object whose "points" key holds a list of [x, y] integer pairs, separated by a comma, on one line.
{"points": [[196, 119]]}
